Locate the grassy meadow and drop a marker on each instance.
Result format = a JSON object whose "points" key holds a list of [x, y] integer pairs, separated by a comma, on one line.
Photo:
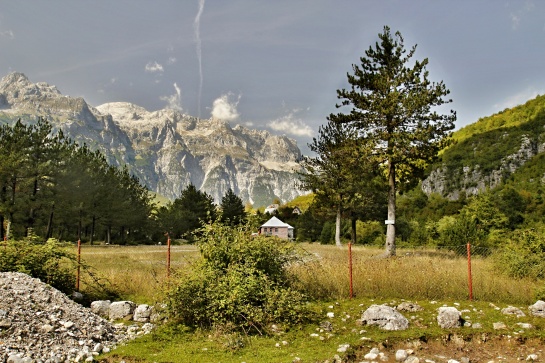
{"points": [[138, 273]]}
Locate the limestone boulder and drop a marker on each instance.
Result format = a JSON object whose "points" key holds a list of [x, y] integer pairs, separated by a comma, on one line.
{"points": [[538, 309], [386, 317], [101, 308], [449, 317], [122, 310]]}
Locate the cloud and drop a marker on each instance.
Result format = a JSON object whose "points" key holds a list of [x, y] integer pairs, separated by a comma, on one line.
{"points": [[518, 98], [516, 16], [7, 34], [225, 109], [198, 45], [174, 101], [171, 60], [290, 124], [153, 67]]}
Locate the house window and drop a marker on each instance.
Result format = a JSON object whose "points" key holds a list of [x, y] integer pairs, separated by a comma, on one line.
{"points": [[276, 229]]}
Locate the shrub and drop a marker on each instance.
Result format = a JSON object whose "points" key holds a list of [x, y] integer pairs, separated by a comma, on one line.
{"points": [[523, 255], [240, 281], [47, 261]]}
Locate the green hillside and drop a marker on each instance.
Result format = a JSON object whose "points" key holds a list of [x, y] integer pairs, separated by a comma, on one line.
{"points": [[501, 142], [508, 118]]}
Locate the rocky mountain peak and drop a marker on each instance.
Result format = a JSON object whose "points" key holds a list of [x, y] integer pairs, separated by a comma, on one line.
{"points": [[165, 149], [17, 88]]}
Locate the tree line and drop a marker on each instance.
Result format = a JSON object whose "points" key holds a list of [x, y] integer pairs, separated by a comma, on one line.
{"points": [[51, 187]]}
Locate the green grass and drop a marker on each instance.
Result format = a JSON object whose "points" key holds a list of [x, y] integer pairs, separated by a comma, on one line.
{"points": [[311, 343]]}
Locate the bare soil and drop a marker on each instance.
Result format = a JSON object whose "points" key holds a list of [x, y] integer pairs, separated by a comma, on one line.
{"points": [[473, 349]]}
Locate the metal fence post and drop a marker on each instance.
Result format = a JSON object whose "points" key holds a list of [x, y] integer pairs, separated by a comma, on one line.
{"points": [[350, 269], [168, 256], [469, 278], [79, 265]]}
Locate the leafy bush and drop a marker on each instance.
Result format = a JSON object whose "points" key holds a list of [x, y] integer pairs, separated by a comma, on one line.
{"points": [[240, 282], [47, 261], [524, 255]]}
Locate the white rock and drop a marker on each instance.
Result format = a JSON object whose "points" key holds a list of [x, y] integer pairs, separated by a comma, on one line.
{"points": [[121, 310], [370, 356], [449, 317], [538, 309], [401, 355], [386, 317], [101, 307]]}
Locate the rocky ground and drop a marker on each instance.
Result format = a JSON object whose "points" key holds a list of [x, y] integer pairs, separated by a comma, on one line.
{"points": [[41, 324], [497, 349]]}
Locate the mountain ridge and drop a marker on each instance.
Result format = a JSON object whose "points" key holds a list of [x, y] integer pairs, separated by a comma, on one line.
{"points": [[165, 149]]}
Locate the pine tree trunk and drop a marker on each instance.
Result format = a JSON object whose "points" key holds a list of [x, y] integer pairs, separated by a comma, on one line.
{"points": [[338, 228], [92, 234], [353, 232], [49, 232], [390, 246]]}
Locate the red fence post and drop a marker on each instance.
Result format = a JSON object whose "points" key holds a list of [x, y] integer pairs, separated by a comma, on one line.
{"points": [[469, 278], [350, 268], [79, 265], [168, 256]]}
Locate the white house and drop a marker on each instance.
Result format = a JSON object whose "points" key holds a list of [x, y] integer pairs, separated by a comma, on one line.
{"points": [[275, 227]]}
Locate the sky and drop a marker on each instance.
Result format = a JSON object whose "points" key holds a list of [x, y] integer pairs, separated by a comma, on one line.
{"points": [[271, 65]]}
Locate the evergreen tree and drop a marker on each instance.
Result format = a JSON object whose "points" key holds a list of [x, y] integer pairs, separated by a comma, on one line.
{"points": [[344, 176], [232, 209], [187, 213], [392, 108]]}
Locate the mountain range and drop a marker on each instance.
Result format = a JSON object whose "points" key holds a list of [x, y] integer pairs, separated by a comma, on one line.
{"points": [[165, 149]]}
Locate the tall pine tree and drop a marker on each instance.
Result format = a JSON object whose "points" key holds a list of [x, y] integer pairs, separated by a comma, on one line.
{"points": [[393, 107]]}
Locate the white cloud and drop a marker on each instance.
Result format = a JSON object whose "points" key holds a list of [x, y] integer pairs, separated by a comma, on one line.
{"points": [[291, 125], [225, 109], [153, 67], [7, 34], [515, 21], [171, 60], [518, 98], [517, 16], [174, 101]]}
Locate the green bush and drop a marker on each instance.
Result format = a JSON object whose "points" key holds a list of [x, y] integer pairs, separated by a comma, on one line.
{"points": [[523, 255], [240, 282], [47, 261]]}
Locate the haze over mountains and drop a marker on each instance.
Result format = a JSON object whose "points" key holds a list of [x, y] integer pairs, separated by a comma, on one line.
{"points": [[165, 149]]}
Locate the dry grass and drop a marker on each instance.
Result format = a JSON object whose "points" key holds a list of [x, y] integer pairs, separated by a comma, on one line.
{"points": [[135, 272], [422, 274], [139, 273]]}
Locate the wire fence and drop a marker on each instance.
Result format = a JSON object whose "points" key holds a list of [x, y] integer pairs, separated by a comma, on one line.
{"points": [[464, 251]]}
